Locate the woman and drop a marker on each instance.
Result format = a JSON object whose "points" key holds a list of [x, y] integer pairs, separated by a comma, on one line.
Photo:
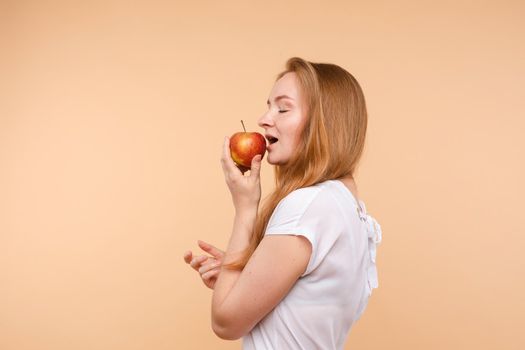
{"points": [[307, 259]]}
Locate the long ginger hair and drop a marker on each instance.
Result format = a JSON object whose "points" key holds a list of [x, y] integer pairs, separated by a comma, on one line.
{"points": [[330, 145]]}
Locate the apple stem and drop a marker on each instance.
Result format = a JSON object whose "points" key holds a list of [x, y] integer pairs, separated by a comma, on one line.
{"points": [[243, 126]]}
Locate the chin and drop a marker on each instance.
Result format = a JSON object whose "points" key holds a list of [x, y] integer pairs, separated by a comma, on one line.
{"points": [[271, 160], [274, 160]]}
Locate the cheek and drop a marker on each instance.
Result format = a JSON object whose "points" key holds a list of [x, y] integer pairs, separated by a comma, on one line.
{"points": [[297, 134], [300, 124]]}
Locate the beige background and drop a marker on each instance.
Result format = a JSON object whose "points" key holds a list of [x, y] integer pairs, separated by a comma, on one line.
{"points": [[112, 116]]}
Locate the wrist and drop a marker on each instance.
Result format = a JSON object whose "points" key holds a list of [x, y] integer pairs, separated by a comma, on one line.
{"points": [[246, 216], [246, 209]]}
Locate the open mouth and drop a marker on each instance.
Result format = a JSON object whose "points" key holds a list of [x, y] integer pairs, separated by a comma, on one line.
{"points": [[272, 140]]}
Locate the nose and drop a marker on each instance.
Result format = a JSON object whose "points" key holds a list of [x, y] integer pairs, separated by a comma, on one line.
{"points": [[265, 121]]}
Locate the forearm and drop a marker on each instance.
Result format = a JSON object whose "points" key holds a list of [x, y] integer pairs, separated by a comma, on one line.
{"points": [[243, 225]]}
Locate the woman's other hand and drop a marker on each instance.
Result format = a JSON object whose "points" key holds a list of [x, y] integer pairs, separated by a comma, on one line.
{"points": [[209, 267], [245, 190]]}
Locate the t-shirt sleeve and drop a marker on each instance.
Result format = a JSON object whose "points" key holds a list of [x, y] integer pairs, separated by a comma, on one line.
{"points": [[312, 213]]}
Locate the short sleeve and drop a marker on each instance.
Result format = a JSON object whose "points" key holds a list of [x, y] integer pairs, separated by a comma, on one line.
{"points": [[310, 212]]}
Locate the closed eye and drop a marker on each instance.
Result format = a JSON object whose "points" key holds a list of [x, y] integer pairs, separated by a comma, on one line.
{"points": [[283, 111]]}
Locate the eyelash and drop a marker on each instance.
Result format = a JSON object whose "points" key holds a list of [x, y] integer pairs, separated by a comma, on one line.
{"points": [[283, 111]]}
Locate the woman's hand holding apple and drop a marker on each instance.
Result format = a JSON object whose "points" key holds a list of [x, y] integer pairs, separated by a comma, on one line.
{"points": [[245, 190]]}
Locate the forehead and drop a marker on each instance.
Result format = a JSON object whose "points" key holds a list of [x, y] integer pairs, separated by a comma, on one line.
{"points": [[287, 85]]}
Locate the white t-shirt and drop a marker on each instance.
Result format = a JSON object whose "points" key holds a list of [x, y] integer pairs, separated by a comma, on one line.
{"points": [[333, 292]]}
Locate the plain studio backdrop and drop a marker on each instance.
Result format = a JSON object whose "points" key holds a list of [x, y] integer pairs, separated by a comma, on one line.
{"points": [[112, 118]]}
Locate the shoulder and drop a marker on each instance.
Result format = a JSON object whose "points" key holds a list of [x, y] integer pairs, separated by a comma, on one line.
{"points": [[315, 201], [304, 197], [301, 196]]}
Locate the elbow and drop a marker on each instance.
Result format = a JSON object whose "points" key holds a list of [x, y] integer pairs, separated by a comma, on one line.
{"points": [[228, 325], [226, 333], [219, 324], [225, 326]]}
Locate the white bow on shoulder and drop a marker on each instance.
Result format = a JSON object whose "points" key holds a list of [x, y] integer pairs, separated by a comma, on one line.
{"points": [[374, 233]]}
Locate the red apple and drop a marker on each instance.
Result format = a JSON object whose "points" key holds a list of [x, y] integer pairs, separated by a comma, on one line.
{"points": [[246, 145]]}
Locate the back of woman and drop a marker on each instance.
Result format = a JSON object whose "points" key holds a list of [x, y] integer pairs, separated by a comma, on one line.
{"points": [[333, 292]]}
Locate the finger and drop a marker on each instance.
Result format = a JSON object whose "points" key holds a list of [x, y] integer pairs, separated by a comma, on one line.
{"points": [[227, 162], [216, 252], [256, 166], [208, 267], [195, 263], [188, 256], [210, 274]]}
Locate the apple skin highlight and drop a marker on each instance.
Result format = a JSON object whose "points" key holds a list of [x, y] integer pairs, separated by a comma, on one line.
{"points": [[246, 145]]}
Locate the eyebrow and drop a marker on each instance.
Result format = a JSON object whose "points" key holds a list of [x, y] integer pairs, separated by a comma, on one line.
{"points": [[280, 97]]}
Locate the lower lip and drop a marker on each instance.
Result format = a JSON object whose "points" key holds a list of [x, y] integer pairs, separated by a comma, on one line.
{"points": [[270, 145]]}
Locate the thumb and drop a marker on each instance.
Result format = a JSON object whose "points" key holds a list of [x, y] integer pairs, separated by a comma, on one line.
{"points": [[256, 165]]}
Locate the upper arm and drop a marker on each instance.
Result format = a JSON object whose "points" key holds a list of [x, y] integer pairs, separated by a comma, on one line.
{"points": [[271, 272]]}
